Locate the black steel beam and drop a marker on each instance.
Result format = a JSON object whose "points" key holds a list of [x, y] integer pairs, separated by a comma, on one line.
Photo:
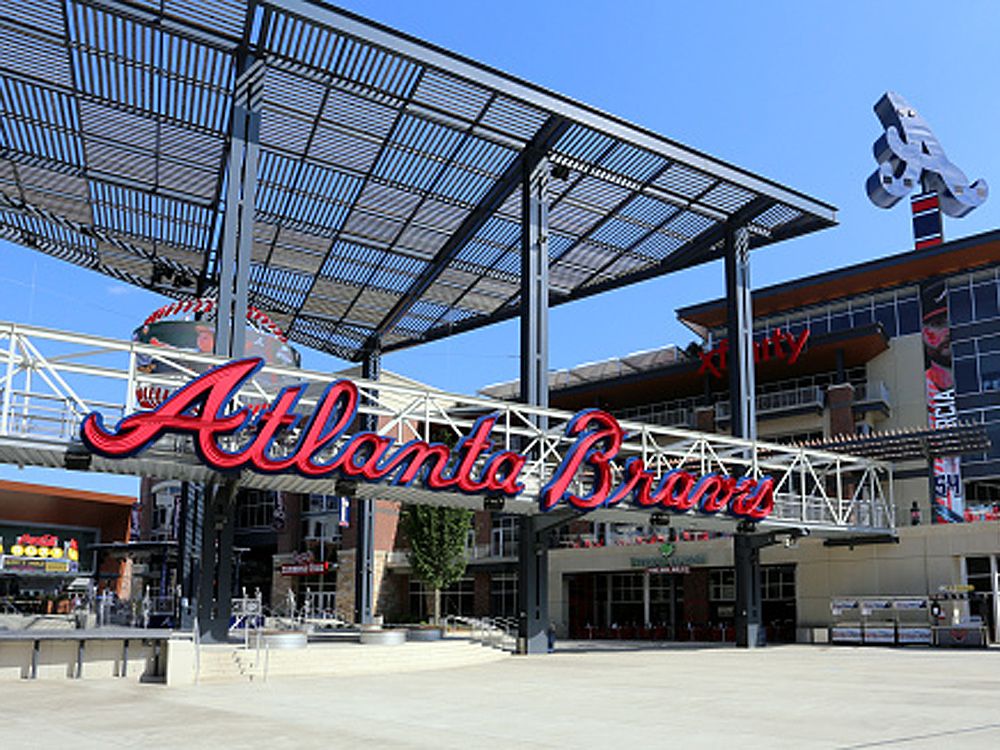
{"points": [[857, 541], [696, 253], [509, 181]]}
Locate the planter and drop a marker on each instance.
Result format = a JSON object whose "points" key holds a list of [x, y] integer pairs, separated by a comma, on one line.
{"points": [[382, 637], [280, 640], [425, 634]]}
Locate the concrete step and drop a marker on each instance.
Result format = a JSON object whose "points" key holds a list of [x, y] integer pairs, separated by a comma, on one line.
{"points": [[227, 663]]}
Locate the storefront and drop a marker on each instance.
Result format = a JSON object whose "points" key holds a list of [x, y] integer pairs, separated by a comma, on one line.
{"points": [[50, 540]]}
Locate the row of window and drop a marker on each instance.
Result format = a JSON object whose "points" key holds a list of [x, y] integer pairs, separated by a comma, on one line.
{"points": [[897, 311], [255, 509], [777, 583], [979, 374], [974, 298], [459, 598]]}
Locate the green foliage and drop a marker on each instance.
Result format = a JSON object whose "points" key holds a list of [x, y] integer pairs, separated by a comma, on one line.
{"points": [[437, 543]]}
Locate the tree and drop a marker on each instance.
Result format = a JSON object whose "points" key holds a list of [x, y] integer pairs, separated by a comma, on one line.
{"points": [[437, 546]]}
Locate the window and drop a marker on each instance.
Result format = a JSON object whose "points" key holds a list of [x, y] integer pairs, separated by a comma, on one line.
{"points": [[666, 597], [457, 599], [989, 344], [989, 372], [722, 585], [503, 595], [818, 325], [963, 349], [966, 376], [626, 587], [886, 315], [626, 599], [503, 540], [254, 510], [861, 316], [840, 319], [959, 305], [909, 316], [166, 507], [985, 296], [777, 584]]}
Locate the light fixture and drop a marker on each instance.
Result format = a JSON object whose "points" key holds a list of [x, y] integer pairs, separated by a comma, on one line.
{"points": [[77, 457]]}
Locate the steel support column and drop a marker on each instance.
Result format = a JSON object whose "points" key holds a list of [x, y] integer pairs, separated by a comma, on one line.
{"points": [[746, 558], [739, 331], [364, 516], [533, 605], [743, 423], [215, 586], [241, 196]]}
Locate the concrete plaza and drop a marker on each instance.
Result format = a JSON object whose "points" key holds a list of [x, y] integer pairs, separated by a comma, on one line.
{"points": [[583, 696]]}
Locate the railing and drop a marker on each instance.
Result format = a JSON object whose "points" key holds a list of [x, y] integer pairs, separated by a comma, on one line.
{"points": [[495, 632], [490, 551], [811, 396], [665, 414], [873, 393], [50, 380]]}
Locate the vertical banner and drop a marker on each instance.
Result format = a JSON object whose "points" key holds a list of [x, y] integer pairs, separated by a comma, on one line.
{"points": [[947, 501]]}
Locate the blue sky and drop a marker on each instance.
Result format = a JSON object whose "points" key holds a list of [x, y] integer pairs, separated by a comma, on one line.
{"points": [[784, 89]]}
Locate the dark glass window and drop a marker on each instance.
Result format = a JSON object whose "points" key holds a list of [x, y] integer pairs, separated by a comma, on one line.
{"points": [[977, 566], [989, 344], [818, 326], [909, 317], [960, 305], [886, 315], [862, 317], [986, 300], [966, 376], [963, 349], [840, 321], [989, 372], [993, 432]]}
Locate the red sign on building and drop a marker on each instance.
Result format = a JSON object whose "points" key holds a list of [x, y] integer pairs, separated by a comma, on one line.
{"points": [[779, 345]]}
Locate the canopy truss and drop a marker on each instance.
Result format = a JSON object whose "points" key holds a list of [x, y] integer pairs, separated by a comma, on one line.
{"points": [[381, 203], [52, 379], [909, 444]]}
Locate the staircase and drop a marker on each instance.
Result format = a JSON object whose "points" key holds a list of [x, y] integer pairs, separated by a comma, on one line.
{"points": [[226, 663]]}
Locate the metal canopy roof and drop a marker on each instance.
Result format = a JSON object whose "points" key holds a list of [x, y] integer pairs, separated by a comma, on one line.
{"points": [[387, 203], [912, 443], [594, 372]]}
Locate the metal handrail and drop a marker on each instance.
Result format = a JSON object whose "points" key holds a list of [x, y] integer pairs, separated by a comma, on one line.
{"points": [[872, 392]]}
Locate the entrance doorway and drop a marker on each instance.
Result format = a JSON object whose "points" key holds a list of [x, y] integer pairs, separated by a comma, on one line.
{"points": [[626, 605], [983, 574]]}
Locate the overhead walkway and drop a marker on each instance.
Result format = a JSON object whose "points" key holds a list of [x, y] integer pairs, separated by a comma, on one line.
{"points": [[52, 379]]}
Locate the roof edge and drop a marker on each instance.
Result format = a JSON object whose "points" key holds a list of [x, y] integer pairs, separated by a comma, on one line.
{"points": [[693, 316]]}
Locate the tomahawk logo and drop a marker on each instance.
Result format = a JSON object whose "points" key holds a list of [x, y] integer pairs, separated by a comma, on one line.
{"points": [[909, 156]]}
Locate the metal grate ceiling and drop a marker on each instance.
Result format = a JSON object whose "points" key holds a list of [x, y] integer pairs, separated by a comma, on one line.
{"points": [[387, 204]]}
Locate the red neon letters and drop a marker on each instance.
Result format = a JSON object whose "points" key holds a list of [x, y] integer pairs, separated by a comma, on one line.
{"points": [[714, 361], [201, 409], [599, 438]]}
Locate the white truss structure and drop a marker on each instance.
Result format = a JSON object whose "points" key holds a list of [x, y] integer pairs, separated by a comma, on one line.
{"points": [[52, 379]]}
